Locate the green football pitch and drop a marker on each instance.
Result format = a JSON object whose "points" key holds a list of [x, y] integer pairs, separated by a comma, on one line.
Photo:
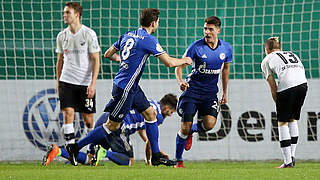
{"points": [[194, 170]]}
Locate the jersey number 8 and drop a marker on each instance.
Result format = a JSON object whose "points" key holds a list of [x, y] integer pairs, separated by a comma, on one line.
{"points": [[126, 49]]}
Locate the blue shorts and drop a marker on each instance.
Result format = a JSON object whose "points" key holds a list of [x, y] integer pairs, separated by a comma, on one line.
{"points": [[188, 106], [122, 101]]}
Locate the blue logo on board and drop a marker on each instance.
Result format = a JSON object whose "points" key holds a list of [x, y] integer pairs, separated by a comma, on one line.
{"points": [[43, 120]]}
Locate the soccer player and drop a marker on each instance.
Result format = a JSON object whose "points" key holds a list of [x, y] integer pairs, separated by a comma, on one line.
{"points": [[135, 47], [133, 122], [77, 71], [288, 94], [211, 56]]}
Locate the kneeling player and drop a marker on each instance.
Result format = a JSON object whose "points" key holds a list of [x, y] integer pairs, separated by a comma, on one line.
{"points": [[119, 143]]}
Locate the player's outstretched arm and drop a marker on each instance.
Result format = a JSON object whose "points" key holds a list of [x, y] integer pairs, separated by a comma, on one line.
{"points": [[95, 58], [225, 78], [178, 73], [111, 54], [173, 62], [273, 87], [59, 69], [143, 135]]}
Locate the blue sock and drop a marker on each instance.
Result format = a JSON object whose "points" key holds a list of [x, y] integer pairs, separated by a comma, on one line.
{"points": [[118, 158], [96, 136], [194, 128], [153, 135], [64, 153], [180, 144]]}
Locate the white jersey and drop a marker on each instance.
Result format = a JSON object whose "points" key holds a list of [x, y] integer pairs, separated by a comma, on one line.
{"points": [[77, 66], [287, 66]]}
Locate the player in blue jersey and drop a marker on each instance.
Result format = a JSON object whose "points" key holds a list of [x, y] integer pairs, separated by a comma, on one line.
{"points": [[211, 56], [121, 153], [135, 47]]}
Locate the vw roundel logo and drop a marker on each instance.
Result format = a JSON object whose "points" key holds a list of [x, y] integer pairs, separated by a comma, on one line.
{"points": [[43, 120]]}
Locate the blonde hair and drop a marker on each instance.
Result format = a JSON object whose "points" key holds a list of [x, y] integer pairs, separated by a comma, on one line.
{"points": [[273, 43]]}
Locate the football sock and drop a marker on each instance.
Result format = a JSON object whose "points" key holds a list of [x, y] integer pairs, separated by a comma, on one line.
{"points": [[194, 128], [153, 135], [181, 141], [118, 158], [285, 143], [64, 153], [294, 133], [69, 133], [96, 136]]}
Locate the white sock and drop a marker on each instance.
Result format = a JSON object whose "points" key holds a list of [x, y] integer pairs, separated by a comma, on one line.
{"points": [[69, 133], [182, 135], [294, 133], [284, 137]]}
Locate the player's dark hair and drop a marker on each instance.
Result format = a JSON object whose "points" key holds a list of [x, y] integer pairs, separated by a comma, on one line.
{"points": [[148, 15], [169, 99], [76, 6], [213, 20], [273, 43]]}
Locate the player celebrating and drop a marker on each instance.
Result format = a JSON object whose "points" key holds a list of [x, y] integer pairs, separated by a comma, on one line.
{"points": [[288, 95], [135, 47], [121, 153], [210, 55], [77, 71]]}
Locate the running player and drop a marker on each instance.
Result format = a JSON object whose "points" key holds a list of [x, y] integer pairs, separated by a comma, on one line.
{"points": [[211, 56], [135, 47]]}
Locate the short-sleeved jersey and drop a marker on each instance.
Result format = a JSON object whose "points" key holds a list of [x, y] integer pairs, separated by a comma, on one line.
{"points": [[287, 66], [135, 48], [134, 121], [206, 67], [77, 66]]}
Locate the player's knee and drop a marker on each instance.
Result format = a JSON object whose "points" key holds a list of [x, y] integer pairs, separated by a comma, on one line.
{"points": [[209, 122], [68, 114], [150, 114]]}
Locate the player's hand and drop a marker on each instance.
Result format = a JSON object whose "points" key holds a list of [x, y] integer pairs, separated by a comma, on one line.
{"points": [[91, 91], [183, 85], [223, 99], [188, 60]]}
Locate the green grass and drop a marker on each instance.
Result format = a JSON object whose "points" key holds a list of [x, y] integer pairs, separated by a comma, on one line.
{"points": [[194, 170]]}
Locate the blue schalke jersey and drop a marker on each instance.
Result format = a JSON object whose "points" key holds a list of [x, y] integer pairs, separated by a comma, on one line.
{"points": [[135, 48], [206, 67], [134, 121]]}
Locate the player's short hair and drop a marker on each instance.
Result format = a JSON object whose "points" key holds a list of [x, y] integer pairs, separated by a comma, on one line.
{"points": [[273, 43], [76, 6], [169, 99], [148, 15], [213, 20]]}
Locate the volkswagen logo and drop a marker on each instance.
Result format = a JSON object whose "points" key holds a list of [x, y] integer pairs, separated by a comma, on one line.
{"points": [[43, 120]]}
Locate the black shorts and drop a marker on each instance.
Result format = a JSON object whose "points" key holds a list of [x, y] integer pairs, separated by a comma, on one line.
{"points": [[289, 102], [75, 96]]}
